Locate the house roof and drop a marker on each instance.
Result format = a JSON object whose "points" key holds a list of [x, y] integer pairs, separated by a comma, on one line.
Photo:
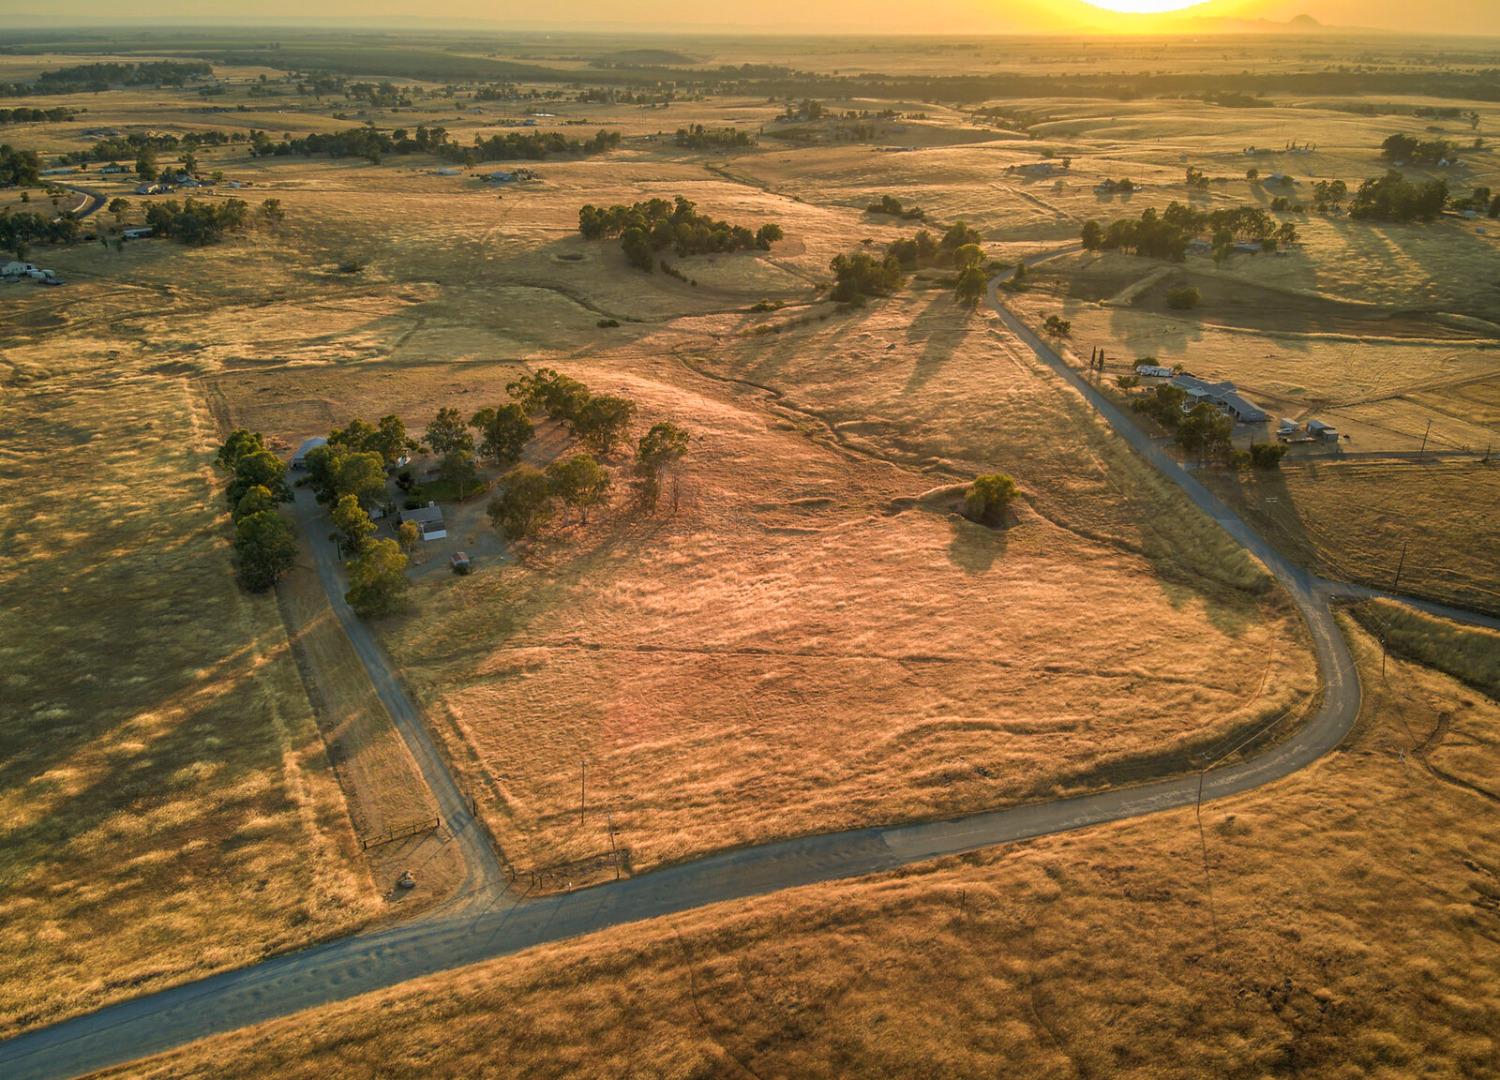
{"points": [[1243, 407], [311, 444], [431, 514]]}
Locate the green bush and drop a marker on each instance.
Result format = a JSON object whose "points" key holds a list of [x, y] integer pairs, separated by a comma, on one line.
{"points": [[1184, 299]]}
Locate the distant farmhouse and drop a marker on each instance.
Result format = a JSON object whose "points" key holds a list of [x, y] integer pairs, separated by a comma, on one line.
{"points": [[1222, 394]]}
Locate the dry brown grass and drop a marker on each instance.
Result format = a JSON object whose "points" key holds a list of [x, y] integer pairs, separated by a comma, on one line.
{"points": [[382, 786], [168, 810], [1349, 520], [1355, 905]]}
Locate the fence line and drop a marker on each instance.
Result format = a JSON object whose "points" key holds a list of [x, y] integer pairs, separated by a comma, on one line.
{"points": [[400, 832]]}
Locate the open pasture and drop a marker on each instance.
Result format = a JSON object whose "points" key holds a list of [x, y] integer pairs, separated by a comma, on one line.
{"points": [[1333, 924]]}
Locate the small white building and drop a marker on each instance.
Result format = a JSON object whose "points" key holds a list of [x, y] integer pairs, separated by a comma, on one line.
{"points": [[299, 459], [428, 520], [1153, 371], [1287, 428]]}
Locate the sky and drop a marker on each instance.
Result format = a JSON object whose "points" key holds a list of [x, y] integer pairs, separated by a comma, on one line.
{"points": [[799, 16]]}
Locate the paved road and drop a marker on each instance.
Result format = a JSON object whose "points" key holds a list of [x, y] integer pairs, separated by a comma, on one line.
{"points": [[448, 939], [484, 881], [92, 201]]}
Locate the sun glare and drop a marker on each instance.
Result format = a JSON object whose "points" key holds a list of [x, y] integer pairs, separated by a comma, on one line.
{"points": [[1144, 7]]}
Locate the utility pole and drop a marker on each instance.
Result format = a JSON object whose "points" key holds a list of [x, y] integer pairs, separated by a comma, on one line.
{"points": [[614, 852], [1400, 564], [1208, 880], [1424, 440], [583, 786]]}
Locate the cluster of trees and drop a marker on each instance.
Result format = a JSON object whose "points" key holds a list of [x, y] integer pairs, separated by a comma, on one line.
{"points": [[1480, 200], [1328, 194], [138, 144], [1116, 187], [527, 497], [698, 137], [1204, 430], [647, 227], [1394, 198], [197, 222], [1404, 148], [530, 146], [924, 249], [373, 145], [20, 231], [102, 76], [862, 275], [24, 115], [1166, 235], [889, 204], [265, 545], [348, 475], [19, 168]]}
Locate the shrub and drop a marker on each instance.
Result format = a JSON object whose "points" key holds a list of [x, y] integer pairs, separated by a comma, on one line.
{"points": [[1184, 299], [988, 497], [1267, 455]]}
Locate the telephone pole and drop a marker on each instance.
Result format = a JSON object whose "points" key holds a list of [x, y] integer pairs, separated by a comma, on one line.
{"points": [[583, 787], [1400, 564], [1424, 440]]}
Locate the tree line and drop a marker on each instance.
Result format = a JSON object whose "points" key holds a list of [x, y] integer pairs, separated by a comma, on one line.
{"points": [[698, 137], [24, 115], [108, 74], [265, 544], [136, 144], [645, 228], [1405, 148], [374, 145]]}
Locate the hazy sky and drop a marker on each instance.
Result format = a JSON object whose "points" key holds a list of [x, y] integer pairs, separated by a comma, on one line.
{"points": [[931, 16]]}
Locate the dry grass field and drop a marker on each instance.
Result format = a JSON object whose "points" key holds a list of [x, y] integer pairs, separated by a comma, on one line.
{"points": [[1346, 929], [168, 810], [1349, 520], [804, 637]]}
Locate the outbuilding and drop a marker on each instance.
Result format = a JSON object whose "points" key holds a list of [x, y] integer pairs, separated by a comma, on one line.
{"points": [[299, 459], [1153, 371], [1322, 430], [428, 520]]}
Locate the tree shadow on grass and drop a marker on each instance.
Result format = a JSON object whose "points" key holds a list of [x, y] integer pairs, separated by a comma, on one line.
{"points": [[974, 548], [941, 328]]}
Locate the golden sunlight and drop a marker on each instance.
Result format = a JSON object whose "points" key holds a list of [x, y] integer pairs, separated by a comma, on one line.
{"points": [[1144, 7]]}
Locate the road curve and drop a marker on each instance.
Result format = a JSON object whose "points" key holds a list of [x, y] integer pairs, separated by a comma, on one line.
{"points": [[92, 201], [449, 939]]}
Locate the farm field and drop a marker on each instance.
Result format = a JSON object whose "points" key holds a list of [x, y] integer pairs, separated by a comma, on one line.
{"points": [[1372, 957], [167, 808], [1351, 519], [804, 633]]}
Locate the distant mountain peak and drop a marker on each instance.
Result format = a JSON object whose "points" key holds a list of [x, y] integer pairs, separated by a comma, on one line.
{"points": [[1303, 20]]}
